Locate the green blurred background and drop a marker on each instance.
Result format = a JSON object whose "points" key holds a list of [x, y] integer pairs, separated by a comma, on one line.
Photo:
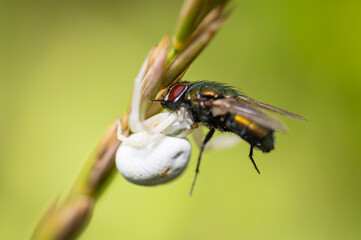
{"points": [[66, 72]]}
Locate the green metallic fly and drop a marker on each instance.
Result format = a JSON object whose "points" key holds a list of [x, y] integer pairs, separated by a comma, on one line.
{"points": [[222, 108]]}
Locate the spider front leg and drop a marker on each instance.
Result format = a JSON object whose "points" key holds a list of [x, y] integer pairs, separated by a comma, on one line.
{"points": [[159, 122]]}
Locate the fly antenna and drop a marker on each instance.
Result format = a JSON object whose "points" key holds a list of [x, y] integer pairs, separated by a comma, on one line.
{"points": [[157, 100]]}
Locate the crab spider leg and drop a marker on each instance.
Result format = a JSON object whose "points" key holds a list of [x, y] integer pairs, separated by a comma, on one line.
{"points": [[165, 122], [134, 121], [120, 136]]}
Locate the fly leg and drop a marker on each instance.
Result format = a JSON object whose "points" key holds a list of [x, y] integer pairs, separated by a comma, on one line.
{"points": [[206, 139], [251, 157]]}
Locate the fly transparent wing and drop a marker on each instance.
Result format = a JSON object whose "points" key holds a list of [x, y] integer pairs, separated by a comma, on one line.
{"points": [[242, 98], [246, 110]]}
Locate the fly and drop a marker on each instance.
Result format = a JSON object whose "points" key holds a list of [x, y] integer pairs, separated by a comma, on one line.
{"points": [[222, 108]]}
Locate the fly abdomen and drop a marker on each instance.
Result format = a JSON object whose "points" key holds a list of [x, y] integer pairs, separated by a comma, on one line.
{"points": [[252, 132]]}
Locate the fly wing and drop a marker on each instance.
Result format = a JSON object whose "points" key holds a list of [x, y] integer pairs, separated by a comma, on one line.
{"points": [[246, 110], [242, 98]]}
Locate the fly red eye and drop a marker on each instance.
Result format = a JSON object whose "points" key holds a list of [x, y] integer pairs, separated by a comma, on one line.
{"points": [[175, 92]]}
